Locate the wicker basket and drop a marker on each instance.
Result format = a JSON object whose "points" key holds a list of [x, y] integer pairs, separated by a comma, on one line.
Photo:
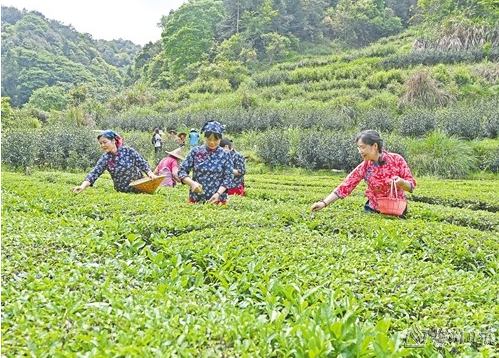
{"points": [[392, 205], [148, 185]]}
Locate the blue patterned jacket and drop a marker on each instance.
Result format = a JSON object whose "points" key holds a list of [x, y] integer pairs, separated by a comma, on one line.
{"points": [[210, 168], [126, 166], [240, 166]]}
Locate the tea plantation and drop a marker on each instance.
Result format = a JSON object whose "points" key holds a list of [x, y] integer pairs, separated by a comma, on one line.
{"points": [[106, 274]]}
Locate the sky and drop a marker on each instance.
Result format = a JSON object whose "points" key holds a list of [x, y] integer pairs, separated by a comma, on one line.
{"points": [[134, 20]]}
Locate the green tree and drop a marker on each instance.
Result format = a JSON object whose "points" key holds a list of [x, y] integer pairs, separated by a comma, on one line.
{"points": [[48, 99], [362, 22], [13, 118], [188, 34]]}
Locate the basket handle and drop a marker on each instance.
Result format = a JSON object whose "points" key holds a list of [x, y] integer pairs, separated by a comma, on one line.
{"points": [[393, 190]]}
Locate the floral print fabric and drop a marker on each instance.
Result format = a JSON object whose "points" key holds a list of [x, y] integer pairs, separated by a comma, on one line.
{"points": [[240, 166], [125, 166], [210, 168], [377, 177]]}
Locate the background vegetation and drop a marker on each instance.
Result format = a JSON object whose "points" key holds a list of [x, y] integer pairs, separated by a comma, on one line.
{"points": [[299, 77]]}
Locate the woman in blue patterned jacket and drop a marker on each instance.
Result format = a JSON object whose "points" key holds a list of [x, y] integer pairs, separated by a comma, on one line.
{"points": [[211, 168], [124, 164]]}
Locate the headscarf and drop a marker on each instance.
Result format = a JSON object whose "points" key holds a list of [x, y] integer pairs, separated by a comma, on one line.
{"points": [[213, 126], [109, 134]]}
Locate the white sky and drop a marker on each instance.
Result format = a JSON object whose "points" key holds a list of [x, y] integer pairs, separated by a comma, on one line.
{"points": [[134, 20]]}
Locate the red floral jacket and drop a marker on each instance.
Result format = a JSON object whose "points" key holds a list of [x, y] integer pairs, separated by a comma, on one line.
{"points": [[377, 177]]}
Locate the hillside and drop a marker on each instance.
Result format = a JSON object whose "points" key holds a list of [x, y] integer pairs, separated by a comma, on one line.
{"points": [[291, 96], [38, 52]]}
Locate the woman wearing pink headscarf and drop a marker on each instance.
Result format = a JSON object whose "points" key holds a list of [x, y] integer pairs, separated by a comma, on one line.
{"points": [[124, 164]]}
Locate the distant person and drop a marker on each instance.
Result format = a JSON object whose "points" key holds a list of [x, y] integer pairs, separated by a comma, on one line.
{"points": [[181, 139], [193, 138], [211, 168], [378, 170], [237, 186], [171, 141], [124, 164], [157, 141], [169, 166]]}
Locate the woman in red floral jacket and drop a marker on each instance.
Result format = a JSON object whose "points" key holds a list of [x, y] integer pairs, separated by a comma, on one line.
{"points": [[378, 170]]}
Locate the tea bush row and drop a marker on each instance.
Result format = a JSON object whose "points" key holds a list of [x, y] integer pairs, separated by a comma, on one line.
{"points": [[51, 147], [435, 154], [151, 275], [474, 120], [432, 57]]}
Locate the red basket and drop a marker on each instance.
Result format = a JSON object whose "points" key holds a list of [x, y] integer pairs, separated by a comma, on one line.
{"points": [[392, 205]]}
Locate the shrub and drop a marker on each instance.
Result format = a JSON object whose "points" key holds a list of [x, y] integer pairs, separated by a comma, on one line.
{"points": [[441, 155], [462, 76], [417, 122], [462, 121], [56, 144], [395, 144], [490, 117], [441, 74], [19, 148], [487, 152], [327, 150], [274, 149], [53, 147], [377, 119]]}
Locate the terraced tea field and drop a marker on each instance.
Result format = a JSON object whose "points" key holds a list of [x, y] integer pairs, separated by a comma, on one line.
{"points": [[106, 274]]}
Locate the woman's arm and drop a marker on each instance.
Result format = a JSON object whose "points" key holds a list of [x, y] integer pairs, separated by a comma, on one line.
{"points": [[183, 174], [321, 204], [344, 189], [93, 175], [404, 180]]}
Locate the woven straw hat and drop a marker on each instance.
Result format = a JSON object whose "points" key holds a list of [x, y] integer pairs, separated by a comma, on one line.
{"points": [[177, 153], [148, 185]]}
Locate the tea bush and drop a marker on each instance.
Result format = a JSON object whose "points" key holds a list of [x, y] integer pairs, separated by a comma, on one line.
{"points": [[155, 276], [460, 122], [51, 147], [380, 120], [274, 148], [20, 148], [395, 144], [416, 122], [327, 150], [487, 152]]}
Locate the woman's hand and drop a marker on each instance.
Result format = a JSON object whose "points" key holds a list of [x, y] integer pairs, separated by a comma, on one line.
{"points": [[196, 187], [402, 183], [318, 205], [215, 198], [77, 189], [150, 174]]}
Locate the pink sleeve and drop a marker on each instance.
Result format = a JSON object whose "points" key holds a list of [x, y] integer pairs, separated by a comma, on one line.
{"points": [[351, 181]]}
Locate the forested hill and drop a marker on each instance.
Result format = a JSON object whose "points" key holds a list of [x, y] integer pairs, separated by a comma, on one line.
{"points": [[38, 52], [256, 54]]}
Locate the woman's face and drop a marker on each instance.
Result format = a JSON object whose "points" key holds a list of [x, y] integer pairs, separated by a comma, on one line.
{"points": [[212, 142], [108, 145], [366, 151]]}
